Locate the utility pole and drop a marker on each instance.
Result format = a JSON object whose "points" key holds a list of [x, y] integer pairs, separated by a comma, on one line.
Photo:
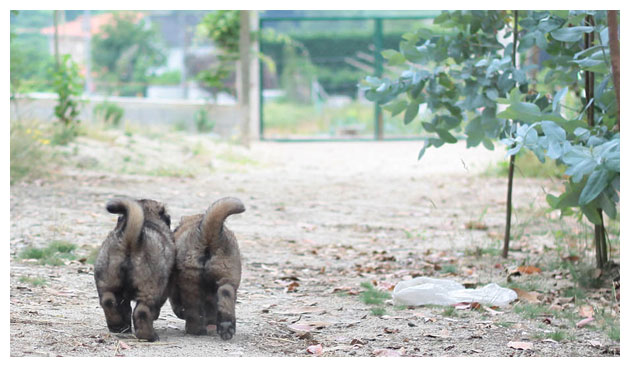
{"points": [[243, 47], [56, 39], [87, 31]]}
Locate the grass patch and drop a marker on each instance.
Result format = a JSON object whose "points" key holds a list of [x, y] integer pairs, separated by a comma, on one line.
{"points": [[371, 295], [34, 281], [30, 152], [449, 269], [614, 331], [558, 335], [449, 312], [530, 311], [233, 157], [54, 254]]}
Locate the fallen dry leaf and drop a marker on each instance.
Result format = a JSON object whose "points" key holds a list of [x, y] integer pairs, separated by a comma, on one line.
{"points": [[476, 225], [531, 297], [123, 345], [521, 345], [586, 311], [584, 322], [572, 258], [528, 269], [391, 331], [315, 349]]}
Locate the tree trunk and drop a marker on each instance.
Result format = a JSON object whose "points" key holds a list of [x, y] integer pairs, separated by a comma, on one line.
{"points": [[613, 40], [601, 248], [508, 219], [244, 45]]}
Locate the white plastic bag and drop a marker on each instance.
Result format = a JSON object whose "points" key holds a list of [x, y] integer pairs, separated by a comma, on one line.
{"points": [[430, 291]]}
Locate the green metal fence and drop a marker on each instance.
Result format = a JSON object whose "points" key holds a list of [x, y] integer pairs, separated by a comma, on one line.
{"points": [[310, 71]]}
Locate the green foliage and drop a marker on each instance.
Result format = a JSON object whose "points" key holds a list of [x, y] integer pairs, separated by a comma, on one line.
{"points": [[54, 254], [371, 295], [29, 62], [35, 281], [202, 122], [68, 85], [109, 112], [30, 154], [223, 28], [172, 77], [464, 78], [124, 52]]}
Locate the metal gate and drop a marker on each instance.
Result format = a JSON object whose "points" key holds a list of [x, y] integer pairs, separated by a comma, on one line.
{"points": [[309, 72]]}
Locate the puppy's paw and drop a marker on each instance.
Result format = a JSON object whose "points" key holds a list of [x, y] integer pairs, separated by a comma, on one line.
{"points": [[226, 329]]}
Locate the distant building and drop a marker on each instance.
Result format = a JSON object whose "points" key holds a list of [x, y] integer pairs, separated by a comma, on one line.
{"points": [[73, 35]]}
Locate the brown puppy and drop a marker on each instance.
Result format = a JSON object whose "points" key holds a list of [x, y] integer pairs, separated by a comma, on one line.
{"points": [[207, 270], [135, 263]]}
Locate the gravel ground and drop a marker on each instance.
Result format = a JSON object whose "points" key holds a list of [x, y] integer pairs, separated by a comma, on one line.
{"points": [[321, 219]]}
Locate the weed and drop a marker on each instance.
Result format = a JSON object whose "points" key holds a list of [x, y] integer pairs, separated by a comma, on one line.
{"points": [[558, 335], [449, 312], [29, 149], [614, 330], [576, 292], [34, 281], [449, 269], [371, 295], [530, 311], [54, 254]]}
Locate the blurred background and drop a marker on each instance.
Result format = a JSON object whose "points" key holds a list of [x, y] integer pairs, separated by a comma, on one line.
{"points": [[181, 69]]}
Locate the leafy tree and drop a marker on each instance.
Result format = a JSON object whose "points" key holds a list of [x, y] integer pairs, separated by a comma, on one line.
{"points": [[124, 53], [222, 27], [470, 79], [68, 84]]}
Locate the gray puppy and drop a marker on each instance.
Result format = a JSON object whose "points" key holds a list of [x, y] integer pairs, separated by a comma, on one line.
{"points": [[135, 263], [207, 270]]}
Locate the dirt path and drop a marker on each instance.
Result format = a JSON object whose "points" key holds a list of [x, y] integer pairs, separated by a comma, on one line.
{"points": [[320, 220]]}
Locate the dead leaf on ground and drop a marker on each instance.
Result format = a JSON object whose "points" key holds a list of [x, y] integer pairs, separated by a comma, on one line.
{"points": [[123, 345], [586, 311], [531, 297], [572, 258], [391, 330], [528, 269], [476, 225], [521, 345], [315, 349], [584, 322]]}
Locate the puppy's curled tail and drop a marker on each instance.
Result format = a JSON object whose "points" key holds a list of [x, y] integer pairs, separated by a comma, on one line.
{"points": [[212, 223], [133, 216]]}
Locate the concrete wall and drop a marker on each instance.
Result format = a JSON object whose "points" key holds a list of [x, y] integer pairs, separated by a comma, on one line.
{"points": [[167, 112]]}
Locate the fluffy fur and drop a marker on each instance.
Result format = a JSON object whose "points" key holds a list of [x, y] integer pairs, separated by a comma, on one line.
{"points": [[135, 263], [207, 270]]}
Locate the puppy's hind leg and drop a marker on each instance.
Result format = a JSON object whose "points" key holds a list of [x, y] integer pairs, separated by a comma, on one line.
{"points": [[117, 313], [143, 322], [226, 311]]}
